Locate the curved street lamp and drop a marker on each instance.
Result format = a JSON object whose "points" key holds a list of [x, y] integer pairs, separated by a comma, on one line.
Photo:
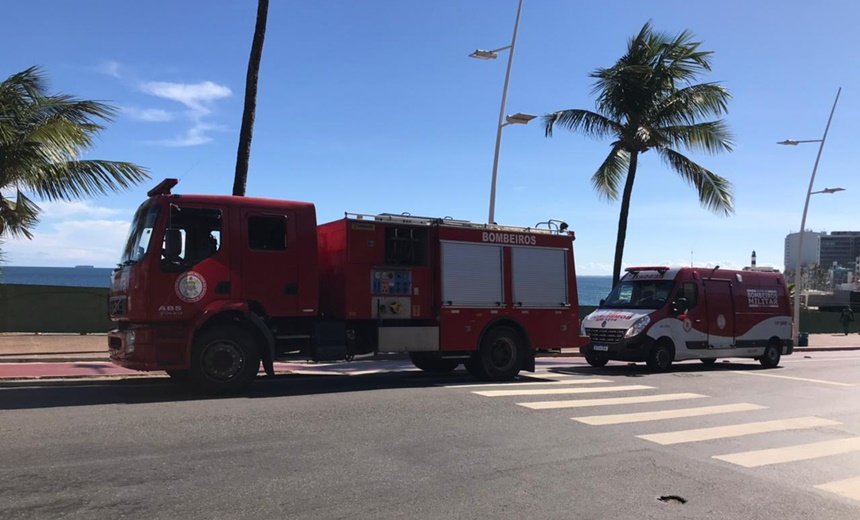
{"points": [[517, 118], [795, 326]]}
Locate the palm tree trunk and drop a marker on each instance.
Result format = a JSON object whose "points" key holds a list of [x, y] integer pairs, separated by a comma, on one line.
{"points": [[243, 154], [622, 218]]}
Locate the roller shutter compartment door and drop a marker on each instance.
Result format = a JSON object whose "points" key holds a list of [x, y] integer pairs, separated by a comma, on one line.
{"points": [[539, 276], [471, 275]]}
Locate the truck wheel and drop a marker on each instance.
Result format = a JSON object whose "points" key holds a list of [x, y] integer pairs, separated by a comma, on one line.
{"points": [[224, 359], [596, 361], [660, 357], [501, 354], [433, 363], [708, 361], [772, 353]]}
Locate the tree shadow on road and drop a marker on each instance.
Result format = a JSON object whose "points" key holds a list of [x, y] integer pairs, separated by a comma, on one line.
{"points": [[641, 370]]}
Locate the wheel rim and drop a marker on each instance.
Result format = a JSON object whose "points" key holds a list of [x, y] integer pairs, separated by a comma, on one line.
{"points": [[772, 354], [222, 360], [502, 353]]}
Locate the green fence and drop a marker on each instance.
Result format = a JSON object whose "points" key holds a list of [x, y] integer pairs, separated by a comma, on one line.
{"points": [[48, 308]]}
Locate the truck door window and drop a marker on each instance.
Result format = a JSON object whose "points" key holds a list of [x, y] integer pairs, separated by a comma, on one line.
{"points": [[405, 246], [192, 235], [267, 233]]}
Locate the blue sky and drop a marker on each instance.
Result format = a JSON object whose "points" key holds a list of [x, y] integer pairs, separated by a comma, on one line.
{"points": [[373, 106]]}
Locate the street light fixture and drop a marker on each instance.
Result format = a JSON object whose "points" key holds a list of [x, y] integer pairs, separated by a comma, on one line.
{"points": [[491, 55], [795, 326], [518, 119]]}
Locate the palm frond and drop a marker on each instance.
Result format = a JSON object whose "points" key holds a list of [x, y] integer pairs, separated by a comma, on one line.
{"points": [[588, 122], [19, 217], [715, 192], [77, 179], [691, 103], [609, 175], [709, 136]]}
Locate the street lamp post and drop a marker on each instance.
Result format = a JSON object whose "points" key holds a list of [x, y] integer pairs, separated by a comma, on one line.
{"points": [[795, 326], [515, 119]]}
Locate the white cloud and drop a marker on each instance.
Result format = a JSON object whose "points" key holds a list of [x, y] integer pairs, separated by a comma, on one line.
{"points": [[109, 68], [66, 209], [198, 99], [195, 96], [150, 115], [75, 242]]}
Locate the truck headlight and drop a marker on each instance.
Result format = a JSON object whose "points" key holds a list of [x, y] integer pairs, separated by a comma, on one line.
{"points": [[638, 326]]}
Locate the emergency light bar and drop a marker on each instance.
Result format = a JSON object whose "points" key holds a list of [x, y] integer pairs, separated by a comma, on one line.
{"points": [[163, 187], [636, 270]]}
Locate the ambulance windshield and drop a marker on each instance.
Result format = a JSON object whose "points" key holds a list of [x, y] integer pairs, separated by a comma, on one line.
{"points": [[639, 294]]}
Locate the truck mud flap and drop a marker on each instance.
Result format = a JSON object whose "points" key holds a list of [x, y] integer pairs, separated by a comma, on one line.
{"points": [[328, 342]]}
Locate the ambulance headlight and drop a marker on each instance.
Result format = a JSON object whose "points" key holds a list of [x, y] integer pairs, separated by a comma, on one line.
{"points": [[638, 326]]}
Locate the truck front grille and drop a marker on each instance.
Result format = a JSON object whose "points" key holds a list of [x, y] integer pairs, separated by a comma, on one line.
{"points": [[605, 336]]}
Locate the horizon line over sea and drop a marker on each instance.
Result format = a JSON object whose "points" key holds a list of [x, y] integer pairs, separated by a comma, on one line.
{"points": [[590, 288]]}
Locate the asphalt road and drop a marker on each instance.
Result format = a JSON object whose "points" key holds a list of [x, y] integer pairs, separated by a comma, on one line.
{"points": [[731, 442]]}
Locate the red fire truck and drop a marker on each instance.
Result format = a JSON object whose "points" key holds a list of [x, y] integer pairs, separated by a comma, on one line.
{"points": [[211, 286]]}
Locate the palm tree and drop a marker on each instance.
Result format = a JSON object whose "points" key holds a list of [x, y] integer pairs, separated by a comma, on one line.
{"points": [[648, 100], [243, 155], [42, 138]]}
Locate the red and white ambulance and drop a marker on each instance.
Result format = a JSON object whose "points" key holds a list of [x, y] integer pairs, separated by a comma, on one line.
{"points": [[662, 314]]}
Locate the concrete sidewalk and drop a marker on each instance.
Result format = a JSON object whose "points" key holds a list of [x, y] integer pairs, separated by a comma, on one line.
{"points": [[15, 347]]}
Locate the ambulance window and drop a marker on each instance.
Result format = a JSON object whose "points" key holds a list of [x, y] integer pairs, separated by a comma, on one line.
{"points": [[691, 292], [405, 246], [267, 233]]}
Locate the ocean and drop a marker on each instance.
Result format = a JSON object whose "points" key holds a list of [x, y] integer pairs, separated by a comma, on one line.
{"points": [[591, 288]]}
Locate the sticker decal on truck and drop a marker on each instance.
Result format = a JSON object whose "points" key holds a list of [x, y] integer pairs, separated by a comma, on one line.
{"points": [[190, 287]]}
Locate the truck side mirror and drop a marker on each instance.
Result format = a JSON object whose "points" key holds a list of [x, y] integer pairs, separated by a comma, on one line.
{"points": [[172, 243], [680, 306]]}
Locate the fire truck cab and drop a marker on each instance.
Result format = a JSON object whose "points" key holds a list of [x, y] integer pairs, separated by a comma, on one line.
{"points": [[211, 286], [661, 314]]}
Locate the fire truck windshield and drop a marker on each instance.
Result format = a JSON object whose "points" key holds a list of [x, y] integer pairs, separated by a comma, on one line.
{"points": [[139, 234], [644, 294]]}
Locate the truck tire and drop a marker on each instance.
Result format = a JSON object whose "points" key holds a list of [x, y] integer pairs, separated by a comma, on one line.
{"points": [[771, 356], [501, 354], [473, 367], [660, 357], [433, 363], [596, 361], [224, 359]]}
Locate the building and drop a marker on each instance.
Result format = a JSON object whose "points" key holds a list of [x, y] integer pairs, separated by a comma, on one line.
{"points": [[811, 244], [839, 248]]}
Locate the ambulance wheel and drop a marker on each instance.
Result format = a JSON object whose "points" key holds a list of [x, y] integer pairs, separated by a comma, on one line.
{"points": [[501, 354], [596, 361], [432, 363], [224, 359], [660, 357], [772, 353], [708, 361]]}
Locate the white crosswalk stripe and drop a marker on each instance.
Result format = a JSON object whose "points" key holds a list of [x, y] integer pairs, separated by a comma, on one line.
{"points": [[609, 401], [737, 430], [603, 420], [562, 391], [848, 488], [583, 381], [756, 458]]}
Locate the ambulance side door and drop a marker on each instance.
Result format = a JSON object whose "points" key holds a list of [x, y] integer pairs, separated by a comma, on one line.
{"points": [[720, 307]]}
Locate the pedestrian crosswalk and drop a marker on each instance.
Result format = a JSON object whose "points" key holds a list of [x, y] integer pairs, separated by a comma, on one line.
{"points": [[560, 393]]}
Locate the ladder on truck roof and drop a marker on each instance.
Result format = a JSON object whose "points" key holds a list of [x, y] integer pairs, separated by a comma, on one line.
{"points": [[406, 218]]}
